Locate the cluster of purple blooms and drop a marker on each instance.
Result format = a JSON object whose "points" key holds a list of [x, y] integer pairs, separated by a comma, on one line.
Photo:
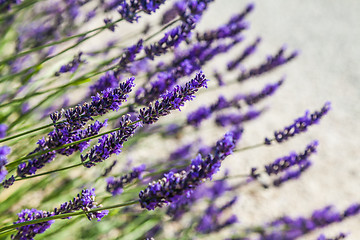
{"points": [[71, 66], [83, 201], [300, 125], [109, 99], [195, 118], [288, 228], [4, 150], [174, 185], [173, 99], [110, 143], [115, 185], [57, 138]]}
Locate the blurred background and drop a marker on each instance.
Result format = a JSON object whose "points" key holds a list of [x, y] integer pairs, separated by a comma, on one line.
{"points": [[327, 33]]}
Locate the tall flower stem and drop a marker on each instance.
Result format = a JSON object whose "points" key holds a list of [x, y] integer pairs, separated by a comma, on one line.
{"points": [[66, 215]]}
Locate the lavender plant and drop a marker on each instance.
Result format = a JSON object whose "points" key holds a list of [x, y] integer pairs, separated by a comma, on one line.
{"points": [[131, 117]]}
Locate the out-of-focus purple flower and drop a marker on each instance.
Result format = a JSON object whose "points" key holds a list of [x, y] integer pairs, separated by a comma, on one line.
{"points": [[300, 125], [338, 237], [245, 54], [129, 55], [3, 129], [115, 185], [109, 99], [292, 174], [219, 79], [4, 150], [171, 38], [71, 66], [173, 99], [236, 119], [111, 27], [292, 228], [8, 182], [288, 161], [230, 29], [109, 169], [271, 63], [210, 222], [108, 80], [268, 90], [110, 143], [181, 153], [174, 185]]}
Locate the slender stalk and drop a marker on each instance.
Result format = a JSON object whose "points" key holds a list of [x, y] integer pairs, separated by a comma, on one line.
{"points": [[65, 215], [58, 42], [25, 133]]}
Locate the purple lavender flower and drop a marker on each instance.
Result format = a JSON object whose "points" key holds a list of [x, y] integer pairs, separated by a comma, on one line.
{"points": [[129, 11], [230, 29], [109, 169], [338, 237], [109, 99], [108, 80], [84, 201], [272, 62], [56, 138], [236, 119], [129, 55], [245, 54], [173, 185], [111, 27], [288, 161], [4, 150], [171, 38], [5, 5], [110, 143], [210, 222], [173, 100], [115, 185], [30, 231], [300, 125], [292, 174], [292, 228], [268, 90], [3, 129], [8, 182], [182, 152], [71, 66]]}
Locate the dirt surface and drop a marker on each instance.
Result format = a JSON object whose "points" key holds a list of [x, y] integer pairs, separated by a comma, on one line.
{"points": [[327, 33]]}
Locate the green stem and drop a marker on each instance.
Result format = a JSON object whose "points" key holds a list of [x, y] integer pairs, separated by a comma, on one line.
{"points": [[49, 172], [58, 42], [65, 215], [25, 133]]}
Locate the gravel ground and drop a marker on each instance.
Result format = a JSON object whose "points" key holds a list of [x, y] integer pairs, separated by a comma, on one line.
{"points": [[327, 33]]}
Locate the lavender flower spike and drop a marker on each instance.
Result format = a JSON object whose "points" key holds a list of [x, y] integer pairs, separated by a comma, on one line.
{"points": [[300, 125], [4, 150], [173, 100], [110, 144], [288, 161], [174, 185], [109, 99], [115, 186], [84, 201]]}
